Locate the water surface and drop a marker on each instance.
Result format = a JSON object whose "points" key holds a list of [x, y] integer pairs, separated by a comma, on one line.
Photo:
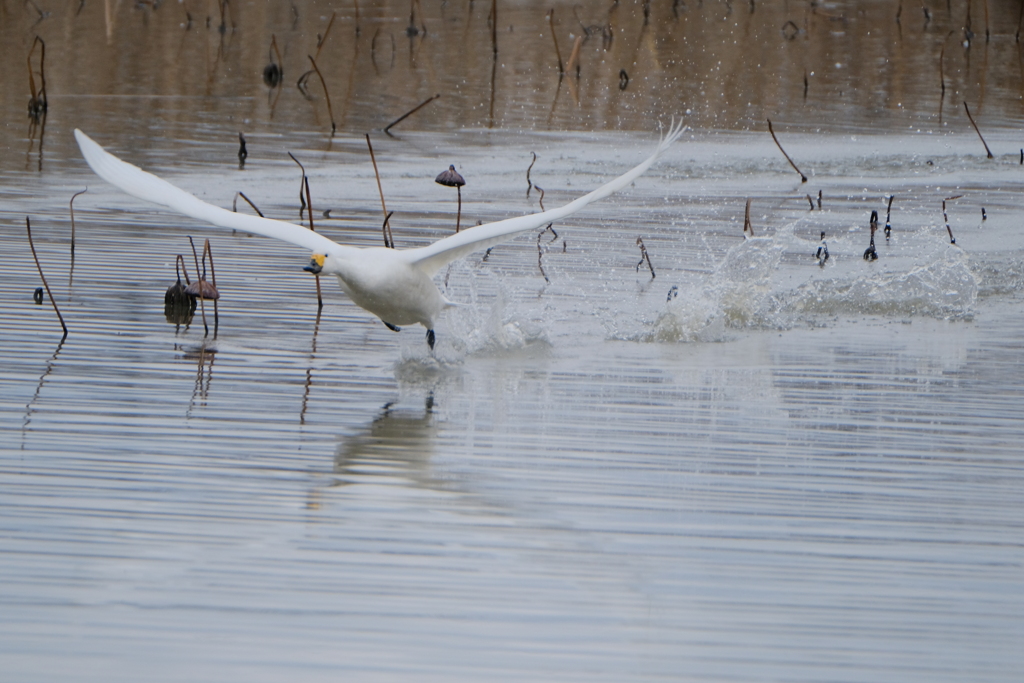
{"points": [[747, 467]]}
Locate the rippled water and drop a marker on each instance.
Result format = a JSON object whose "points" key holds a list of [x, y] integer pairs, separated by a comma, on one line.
{"points": [[745, 468]]}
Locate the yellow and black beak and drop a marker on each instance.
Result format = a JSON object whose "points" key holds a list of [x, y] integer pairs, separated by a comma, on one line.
{"points": [[316, 264]]}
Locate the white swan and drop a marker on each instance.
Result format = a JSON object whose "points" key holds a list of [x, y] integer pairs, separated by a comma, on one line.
{"points": [[394, 285]]}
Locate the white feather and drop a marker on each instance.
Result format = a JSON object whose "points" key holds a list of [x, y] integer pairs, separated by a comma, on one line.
{"points": [[393, 285]]}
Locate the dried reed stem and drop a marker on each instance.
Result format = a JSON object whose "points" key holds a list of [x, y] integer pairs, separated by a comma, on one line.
{"points": [[644, 256], [327, 95], [302, 185], [540, 253], [494, 27], [37, 106], [249, 202], [243, 153], [409, 113], [309, 208], [201, 279], [180, 261], [389, 239], [71, 205], [28, 228], [307, 203], [748, 227], [574, 57], [942, 72], [554, 37], [208, 251], [971, 118], [952, 240], [320, 40], [888, 215], [803, 178], [529, 183]]}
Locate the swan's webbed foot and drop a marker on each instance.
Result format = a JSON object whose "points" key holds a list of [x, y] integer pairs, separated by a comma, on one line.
{"points": [[393, 328], [430, 339]]}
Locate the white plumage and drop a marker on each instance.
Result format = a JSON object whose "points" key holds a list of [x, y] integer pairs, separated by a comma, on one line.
{"points": [[395, 285]]}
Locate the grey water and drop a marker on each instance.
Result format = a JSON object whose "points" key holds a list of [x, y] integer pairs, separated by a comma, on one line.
{"points": [[742, 466]]}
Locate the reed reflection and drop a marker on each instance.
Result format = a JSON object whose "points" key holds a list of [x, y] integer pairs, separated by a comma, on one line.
{"points": [[203, 355]]}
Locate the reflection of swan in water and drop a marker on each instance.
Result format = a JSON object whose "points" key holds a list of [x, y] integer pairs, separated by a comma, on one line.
{"points": [[396, 445], [393, 450]]}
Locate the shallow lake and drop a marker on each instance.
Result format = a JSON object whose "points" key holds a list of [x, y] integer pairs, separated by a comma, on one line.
{"points": [[728, 463]]}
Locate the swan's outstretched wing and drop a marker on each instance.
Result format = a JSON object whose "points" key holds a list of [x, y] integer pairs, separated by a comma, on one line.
{"points": [[432, 258], [143, 185]]}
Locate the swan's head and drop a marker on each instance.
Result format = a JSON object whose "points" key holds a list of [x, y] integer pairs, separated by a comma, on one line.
{"points": [[316, 263]]}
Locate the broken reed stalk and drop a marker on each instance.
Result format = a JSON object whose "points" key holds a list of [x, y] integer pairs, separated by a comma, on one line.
{"points": [[208, 251], [803, 178], [529, 183], [389, 239], [540, 253], [574, 57], [249, 202], [71, 206], [409, 113], [458, 216], [811, 202], [243, 153], [327, 95], [309, 207], [870, 254], [37, 106], [554, 37], [971, 118], [494, 28], [28, 229], [358, 31], [942, 73], [386, 229], [541, 200], [180, 261], [748, 227], [320, 40], [644, 257], [200, 279], [307, 203], [273, 46], [952, 240], [888, 215], [302, 185]]}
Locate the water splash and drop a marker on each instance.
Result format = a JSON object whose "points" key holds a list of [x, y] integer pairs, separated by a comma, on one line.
{"points": [[756, 287]]}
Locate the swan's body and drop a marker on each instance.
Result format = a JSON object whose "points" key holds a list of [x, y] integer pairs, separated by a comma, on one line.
{"points": [[394, 285]]}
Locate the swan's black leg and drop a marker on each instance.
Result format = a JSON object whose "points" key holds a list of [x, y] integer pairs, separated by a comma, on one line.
{"points": [[430, 339], [393, 328]]}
